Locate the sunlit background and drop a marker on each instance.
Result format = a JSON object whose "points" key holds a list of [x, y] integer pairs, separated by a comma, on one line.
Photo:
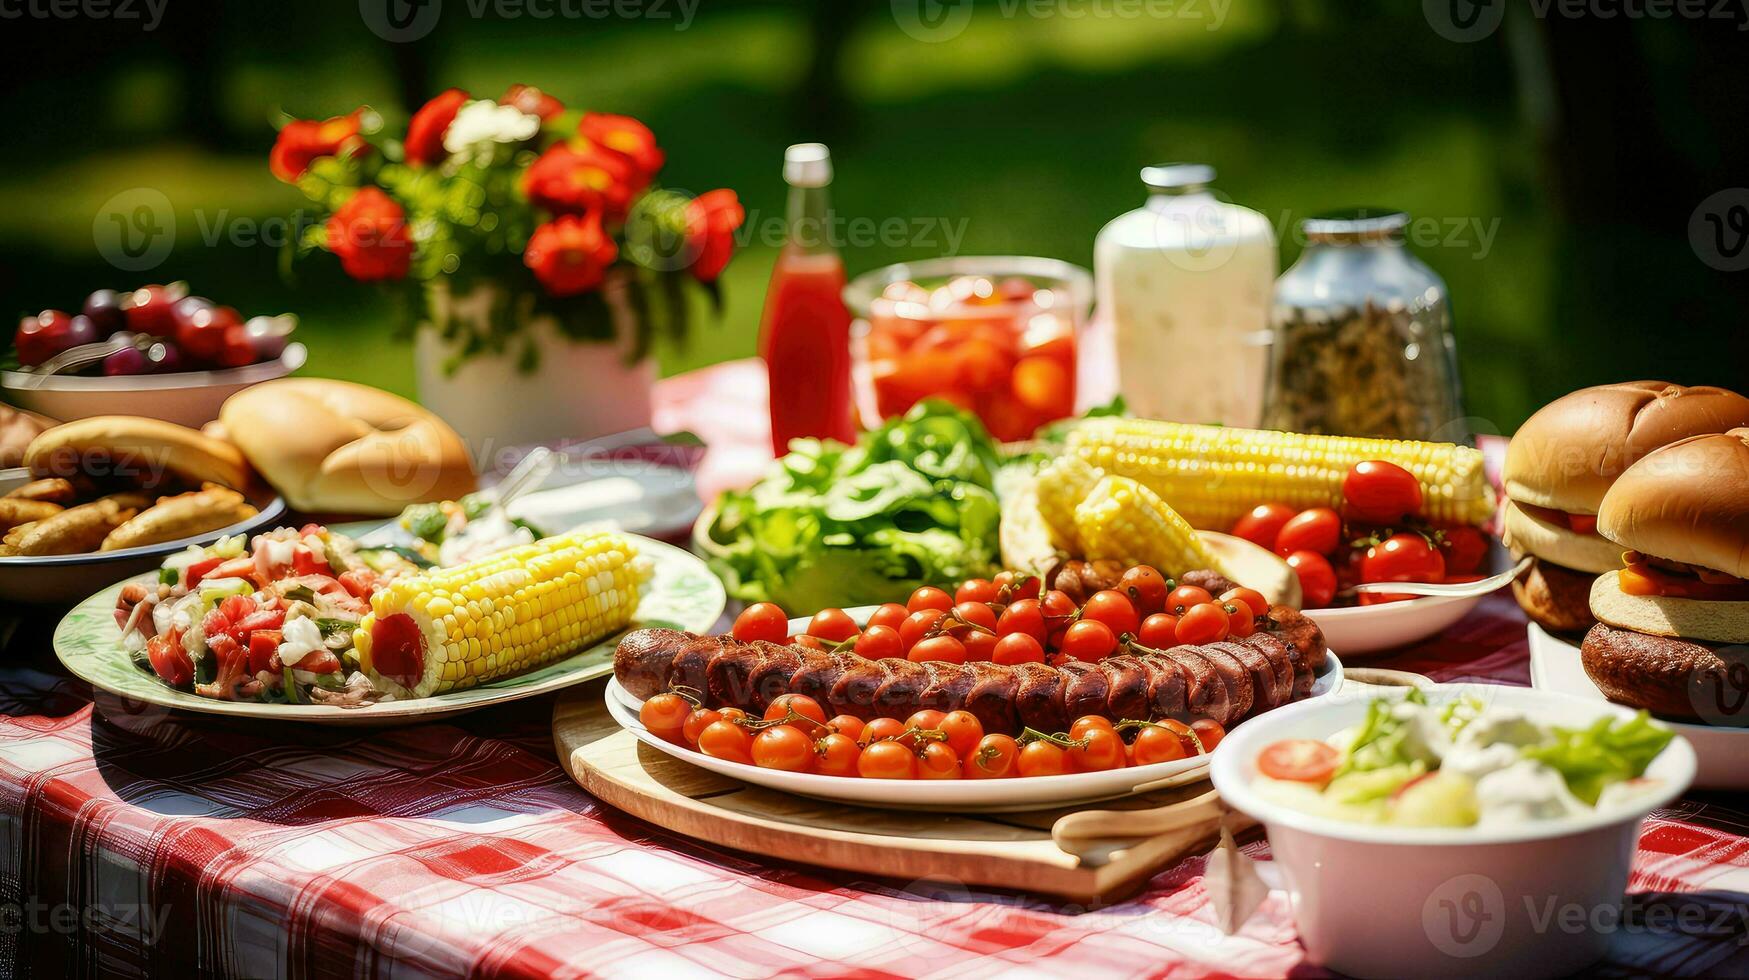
{"points": [[1564, 160]]}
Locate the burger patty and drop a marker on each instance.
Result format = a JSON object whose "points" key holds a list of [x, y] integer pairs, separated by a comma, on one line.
{"points": [[1556, 596], [1675, 678]]}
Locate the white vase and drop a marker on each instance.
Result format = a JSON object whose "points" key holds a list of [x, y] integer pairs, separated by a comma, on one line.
{"points": [[578, 390]]}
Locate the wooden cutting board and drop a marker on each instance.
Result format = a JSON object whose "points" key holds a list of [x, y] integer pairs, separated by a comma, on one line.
{"points": [[1000, 850]]}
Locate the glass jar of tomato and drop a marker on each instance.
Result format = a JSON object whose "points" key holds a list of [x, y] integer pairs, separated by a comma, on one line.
{"points": [[992, 334]]}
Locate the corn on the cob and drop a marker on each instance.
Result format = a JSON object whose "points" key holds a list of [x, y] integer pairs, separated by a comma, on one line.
{"points": [[1212, 474], [1125, 521], [457, 627], [1062, 485]]}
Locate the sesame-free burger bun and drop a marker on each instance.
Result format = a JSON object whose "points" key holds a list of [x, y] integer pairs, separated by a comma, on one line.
{"points": [[1708, 620], [339, 447], [1566, 455], [1527, 532], [138, 450], [1687, 502]]}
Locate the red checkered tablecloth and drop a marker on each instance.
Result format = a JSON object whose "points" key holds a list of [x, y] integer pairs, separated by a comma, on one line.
{"points": [[131, 842]]}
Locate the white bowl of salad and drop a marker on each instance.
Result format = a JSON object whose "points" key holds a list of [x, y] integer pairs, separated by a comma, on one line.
{"points": [[1456, 829]]}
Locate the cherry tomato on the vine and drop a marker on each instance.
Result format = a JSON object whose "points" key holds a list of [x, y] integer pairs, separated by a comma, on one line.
{"points": [[887, 760], [918, 624], [929, 597], [938, 760], [801, 704], [994, 758], [1023, 616], [1209, 732], [1250, 597], [975, 590], [783, 747], [1114, 610], [1262, 524], [1088, 640], [888, 614], [938, 648], [761, 621], [1146, 589], [836, 754], [1405, 557], [665, 715], [1042, 758], [726, 740], [1018, 648], [1204, 622], [963, 730], [1380, 492], [1185, 596], [1316, 529], [832, 625], [879, 643], [1317, 578]]}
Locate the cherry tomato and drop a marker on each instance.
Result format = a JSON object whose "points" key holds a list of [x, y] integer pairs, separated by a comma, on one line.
{"points": [[835, 755], [1204, 622], [881, 729], [975, 590], [1263, 524], [811, 642], [976, 613], [1317, 578], [832, 625], [1185, 596], [964, 731], [761, 621], [994, 758], [1056, 605], [1465, 548], [1250, 597], [1159, 631], [880, 642], [726, 740], [1157, 744], [1023, 616], [1104, 750], [1042, 758], [888, 614], [1405, 557], [1209, 732], [887, 760], [927, 719], [1303, 760], [801, 704], [665, 715], [980, 646], [918, 624], [1087, 723], [938, 648], [696, 722], [1318, 529], [938, 760], [1380, 493], [732, 714], [1015, 585], [1018, 648], [929, 597], [783, 747], [169, 660], [1114, 610], [1145, 588], [1088, 640], [1240, 620], [849, 725]]}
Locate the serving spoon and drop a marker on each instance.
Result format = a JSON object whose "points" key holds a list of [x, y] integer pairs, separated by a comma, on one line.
{"points": [[1478, 587]]}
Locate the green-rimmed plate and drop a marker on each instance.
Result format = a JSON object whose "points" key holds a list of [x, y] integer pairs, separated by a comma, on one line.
{"points": [[683, 594]]}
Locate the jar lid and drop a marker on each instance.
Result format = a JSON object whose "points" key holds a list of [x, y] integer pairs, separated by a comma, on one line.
{"points": [[1355, 225], [807, 165], [1178, 178]]}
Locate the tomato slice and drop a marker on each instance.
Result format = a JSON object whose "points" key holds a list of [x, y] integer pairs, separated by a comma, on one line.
{"points": [[1302, 760]]}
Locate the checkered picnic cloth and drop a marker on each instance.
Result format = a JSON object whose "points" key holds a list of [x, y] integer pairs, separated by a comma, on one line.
{"points": [[134, 842]]}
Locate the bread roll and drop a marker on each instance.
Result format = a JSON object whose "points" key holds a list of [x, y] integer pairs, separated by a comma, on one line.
{"points": [[1711, 620], [1527, 533], [339, 447], [1687, 502]]}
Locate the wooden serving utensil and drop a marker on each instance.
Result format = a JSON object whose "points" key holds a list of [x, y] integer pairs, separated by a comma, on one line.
{"points": [[1094, 834]]}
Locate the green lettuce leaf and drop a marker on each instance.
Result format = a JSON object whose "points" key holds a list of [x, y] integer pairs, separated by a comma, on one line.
{"points": [[1609, 751]]}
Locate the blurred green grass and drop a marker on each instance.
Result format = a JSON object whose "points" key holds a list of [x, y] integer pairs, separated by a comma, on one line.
{"points": [[1029, 131]]}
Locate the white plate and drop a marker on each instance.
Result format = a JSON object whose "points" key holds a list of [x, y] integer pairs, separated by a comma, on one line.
{"points": [[957, 795], [1365, 630], [1723, 752]]}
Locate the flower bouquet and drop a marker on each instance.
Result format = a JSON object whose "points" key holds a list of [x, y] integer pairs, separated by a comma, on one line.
{"points": [[508, 214]]}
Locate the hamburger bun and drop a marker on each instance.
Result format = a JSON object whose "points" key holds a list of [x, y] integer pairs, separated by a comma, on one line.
{"points": [[1566, 455], [1687, 502], [1557, 598], [141, 451], [1530, 533], [1677, 679], [339, 447], [1712, 620]]}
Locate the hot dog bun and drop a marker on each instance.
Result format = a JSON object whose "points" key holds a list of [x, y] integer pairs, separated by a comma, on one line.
{"points": [[339, 447], [140, 450]]}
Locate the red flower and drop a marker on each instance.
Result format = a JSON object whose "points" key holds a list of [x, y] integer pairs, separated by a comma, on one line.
{"points": [[569, 254], [625, 136], [532, 101], [302, 141], [369, 234], [711, 220], [425, 130], [566, 180]]}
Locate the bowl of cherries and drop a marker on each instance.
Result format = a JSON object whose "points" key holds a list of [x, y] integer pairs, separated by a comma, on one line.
{"points": [[155, 351]]}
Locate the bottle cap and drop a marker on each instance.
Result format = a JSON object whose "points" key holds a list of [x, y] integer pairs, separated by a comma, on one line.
{"points": [[1355, 225], [1178, 178], [807, 165]]}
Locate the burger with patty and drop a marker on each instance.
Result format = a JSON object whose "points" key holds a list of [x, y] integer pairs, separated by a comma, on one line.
{"points": [[1566, 457], [1673, 622]]}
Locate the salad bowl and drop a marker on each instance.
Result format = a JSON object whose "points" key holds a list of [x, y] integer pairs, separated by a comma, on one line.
{"points": [[1497, 898]]}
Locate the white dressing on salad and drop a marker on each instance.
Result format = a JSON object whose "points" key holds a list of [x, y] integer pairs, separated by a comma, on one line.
{"points": [[1523, 792], [299, 638]]}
